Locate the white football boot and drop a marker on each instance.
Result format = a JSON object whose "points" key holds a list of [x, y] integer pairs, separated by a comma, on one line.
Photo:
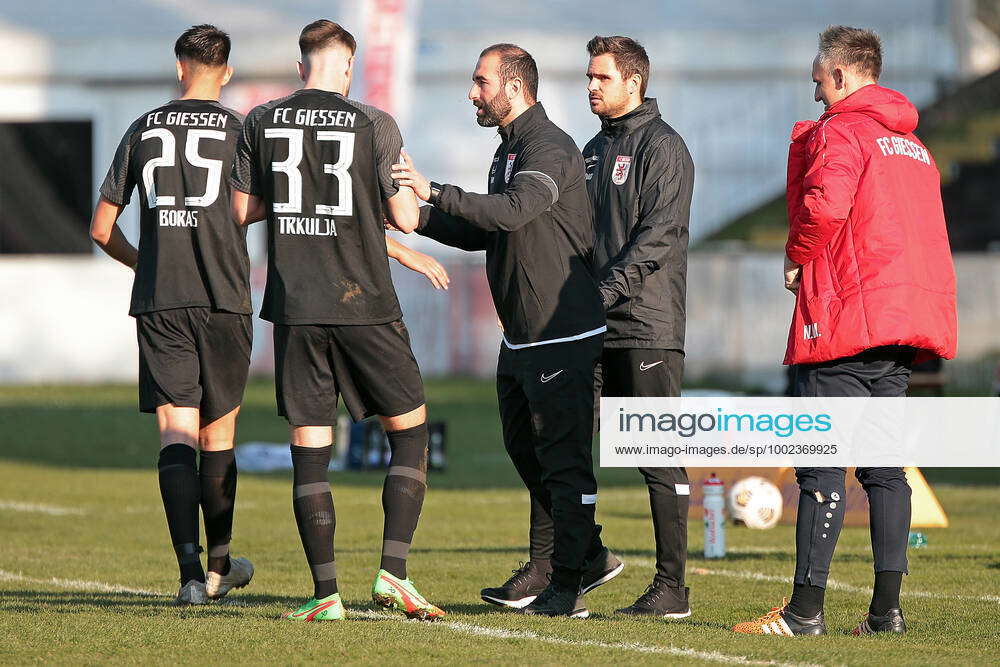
{"points": [[240, 574]]}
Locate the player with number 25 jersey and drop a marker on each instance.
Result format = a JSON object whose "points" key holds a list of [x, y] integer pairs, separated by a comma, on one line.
{"points": [[191, 301]]}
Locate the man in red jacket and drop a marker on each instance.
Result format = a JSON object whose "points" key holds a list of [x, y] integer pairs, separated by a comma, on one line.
{"points": [[869, 261]]}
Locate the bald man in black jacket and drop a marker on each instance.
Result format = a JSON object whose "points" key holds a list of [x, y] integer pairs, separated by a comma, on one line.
{"points": [[536, 228]]}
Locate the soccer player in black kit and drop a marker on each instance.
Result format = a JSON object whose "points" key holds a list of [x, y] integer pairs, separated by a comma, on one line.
{"points": [[640, 177], [536, 228], [190, 300], [317, 166]]}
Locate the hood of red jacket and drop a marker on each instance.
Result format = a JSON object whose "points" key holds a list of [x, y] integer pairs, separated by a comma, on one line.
{"points": [[887, 106]]}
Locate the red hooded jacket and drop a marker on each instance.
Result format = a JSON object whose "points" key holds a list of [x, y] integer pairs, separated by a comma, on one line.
{"points": [[867, 226]]}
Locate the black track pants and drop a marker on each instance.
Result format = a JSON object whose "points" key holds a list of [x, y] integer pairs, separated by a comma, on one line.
{"points": [[546, 396], [878, 372]]}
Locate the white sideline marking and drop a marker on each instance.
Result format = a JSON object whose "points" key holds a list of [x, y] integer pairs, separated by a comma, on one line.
{"points": [[53, 510], [838, 586], [79, 584], [500, 633], [456, 626]]}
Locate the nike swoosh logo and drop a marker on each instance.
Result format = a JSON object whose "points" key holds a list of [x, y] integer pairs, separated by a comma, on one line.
{"points": [[643, 366], [546, 378]]}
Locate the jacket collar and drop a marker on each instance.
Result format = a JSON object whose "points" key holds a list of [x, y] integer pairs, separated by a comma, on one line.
{"points": [[634, 119], [530, 118]]}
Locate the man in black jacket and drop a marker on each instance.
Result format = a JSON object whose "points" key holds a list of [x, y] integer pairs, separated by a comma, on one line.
{"points": [[640, 177], [536, 228]]}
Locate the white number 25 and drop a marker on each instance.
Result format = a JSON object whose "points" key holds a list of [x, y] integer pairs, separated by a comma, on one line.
{"points": [[166, 159]]}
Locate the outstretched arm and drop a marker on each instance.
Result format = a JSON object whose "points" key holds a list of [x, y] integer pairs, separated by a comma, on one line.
{"points": [[451, 231], [532, 190]]}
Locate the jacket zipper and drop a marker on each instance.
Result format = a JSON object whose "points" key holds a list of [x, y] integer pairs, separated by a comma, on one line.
{"points": [[604, 187]]}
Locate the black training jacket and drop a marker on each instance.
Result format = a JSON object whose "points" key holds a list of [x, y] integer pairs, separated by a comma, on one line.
{"points": [[640, 177], [536, 228]]}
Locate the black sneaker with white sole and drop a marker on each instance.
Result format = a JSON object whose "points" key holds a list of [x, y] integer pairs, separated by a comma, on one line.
{"points": [[600, 570], [557, 600], [521, 589], [661, 601]]}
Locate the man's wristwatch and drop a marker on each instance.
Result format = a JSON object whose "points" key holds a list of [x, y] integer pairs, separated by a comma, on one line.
{"points": [[435, 193]]}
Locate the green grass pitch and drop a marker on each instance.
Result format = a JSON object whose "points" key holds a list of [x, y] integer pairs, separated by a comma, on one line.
{"points": [[87, 574]]}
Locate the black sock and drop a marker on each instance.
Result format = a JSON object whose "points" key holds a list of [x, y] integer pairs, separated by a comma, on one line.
{"points": [[218, 496], [403, 496], [180, 491], [314, 515], [886, 593], [806, 600]]}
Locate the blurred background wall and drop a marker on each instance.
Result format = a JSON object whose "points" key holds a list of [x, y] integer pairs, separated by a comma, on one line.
{"points": [[730, 76]]}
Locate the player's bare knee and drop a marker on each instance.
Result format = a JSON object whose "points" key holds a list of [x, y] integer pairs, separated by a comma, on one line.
{"points": [[217, 435], [177, 425], [311, 436], [406, 420]]}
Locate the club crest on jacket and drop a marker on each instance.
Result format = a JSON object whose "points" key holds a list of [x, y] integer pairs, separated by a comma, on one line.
{"points": [[620, 173], [510, 167]]}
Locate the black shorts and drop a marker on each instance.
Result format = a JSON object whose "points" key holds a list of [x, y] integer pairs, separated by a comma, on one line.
{"points": [[193, 358], [370, 365]]}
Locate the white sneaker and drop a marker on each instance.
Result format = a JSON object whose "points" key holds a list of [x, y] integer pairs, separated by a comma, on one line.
{"points": [[193, 592], [240, 574]]}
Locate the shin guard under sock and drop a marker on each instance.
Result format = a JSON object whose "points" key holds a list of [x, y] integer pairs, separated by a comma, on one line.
{"points": [[403, 496], [181, 491], [218, 498], [314, 515]]}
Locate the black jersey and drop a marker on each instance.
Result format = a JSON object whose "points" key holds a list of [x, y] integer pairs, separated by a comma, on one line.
{"points": [[322, 165], [191, 253]]}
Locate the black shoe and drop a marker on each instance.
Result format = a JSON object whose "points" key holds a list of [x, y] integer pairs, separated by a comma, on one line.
{"points": [[783, 623], [600, 570], [660, 600], [555, 600], [520, 590], [892, 622]]}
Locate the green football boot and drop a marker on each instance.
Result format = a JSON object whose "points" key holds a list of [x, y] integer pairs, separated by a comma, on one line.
{"points": [[329, 608], [390, 592]]}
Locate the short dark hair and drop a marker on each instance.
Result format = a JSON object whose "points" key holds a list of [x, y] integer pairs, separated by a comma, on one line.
{"points": [[855, 47], [516, 63], [204, 44], [630, 57], [324, 33]]}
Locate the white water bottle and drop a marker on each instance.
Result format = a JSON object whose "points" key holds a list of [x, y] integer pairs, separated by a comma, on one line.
{"points": [[715, 523]]}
